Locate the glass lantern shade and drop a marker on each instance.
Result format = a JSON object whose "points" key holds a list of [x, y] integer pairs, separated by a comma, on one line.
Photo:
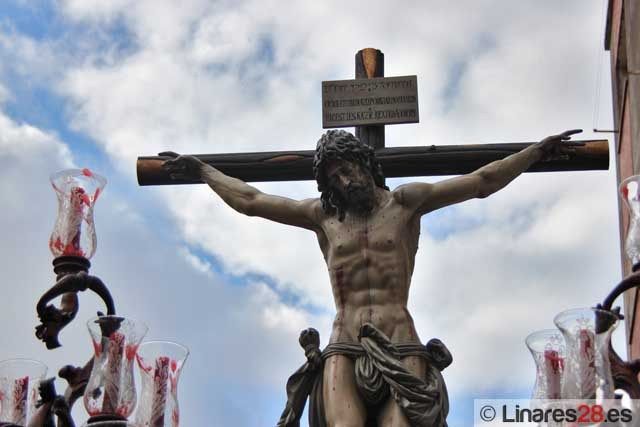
{"points": [[630, 193], [160, 365], [74, 232], [111, 387], [587, 334], [549, 352], [19, 381]]}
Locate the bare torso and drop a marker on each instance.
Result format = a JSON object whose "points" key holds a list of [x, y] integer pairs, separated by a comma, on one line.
{"points": [[370, 261]]}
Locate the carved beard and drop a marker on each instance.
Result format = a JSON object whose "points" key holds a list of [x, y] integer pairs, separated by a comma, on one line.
{"points": [[360, 198]]}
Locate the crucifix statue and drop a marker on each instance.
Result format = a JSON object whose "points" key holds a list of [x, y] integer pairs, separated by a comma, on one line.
{"points": [[375, 370], [369, 238]]}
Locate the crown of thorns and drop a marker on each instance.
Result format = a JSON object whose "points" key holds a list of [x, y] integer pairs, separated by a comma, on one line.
{"points": [[342, 145]]}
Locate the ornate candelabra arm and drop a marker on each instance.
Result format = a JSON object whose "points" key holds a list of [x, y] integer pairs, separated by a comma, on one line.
{"points": [[54, 319], [77, 378], [69, 264], [43, 417], [50, 404], [62, 410], [631, 281], [625, 374]]}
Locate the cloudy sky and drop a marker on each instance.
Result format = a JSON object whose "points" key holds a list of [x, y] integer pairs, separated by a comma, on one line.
{"points": [[94, 83]]}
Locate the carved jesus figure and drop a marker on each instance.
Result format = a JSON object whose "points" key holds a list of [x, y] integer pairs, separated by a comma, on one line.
{"points": [[368, 235]]}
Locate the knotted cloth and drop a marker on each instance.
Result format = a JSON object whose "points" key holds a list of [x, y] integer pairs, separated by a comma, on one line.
{"points": [[379, 373]]}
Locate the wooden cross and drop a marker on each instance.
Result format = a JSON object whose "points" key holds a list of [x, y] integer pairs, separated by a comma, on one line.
{"points": [[429, 160]]}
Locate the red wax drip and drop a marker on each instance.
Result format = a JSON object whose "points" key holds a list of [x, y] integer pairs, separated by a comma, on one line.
{"points": [[112, 374], [553, 365], [20, 393], [130, 351], [160, 378], [97, 348], [78, 198], [143, 366], [555, 361]]}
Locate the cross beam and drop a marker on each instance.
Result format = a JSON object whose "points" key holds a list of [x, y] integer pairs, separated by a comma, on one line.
{"points": [[396, 162]]}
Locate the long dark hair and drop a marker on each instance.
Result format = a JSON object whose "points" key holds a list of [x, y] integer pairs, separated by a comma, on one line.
{"points": [[342, 145]]}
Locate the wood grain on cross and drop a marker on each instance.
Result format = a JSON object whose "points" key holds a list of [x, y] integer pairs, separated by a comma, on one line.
{"points": [[427, 160]]}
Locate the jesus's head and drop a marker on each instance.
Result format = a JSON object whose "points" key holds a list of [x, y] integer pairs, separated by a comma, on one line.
{"points": [[347, 173]]}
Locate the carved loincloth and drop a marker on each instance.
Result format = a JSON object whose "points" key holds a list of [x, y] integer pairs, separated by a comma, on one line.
{"points": [[379, 374]]}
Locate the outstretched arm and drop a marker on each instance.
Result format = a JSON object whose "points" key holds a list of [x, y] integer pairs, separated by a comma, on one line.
{"points": [[243, 197], [483, 182]]}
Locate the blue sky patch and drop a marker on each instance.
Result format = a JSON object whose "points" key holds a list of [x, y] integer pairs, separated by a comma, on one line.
{"points": [[445, 222], [38, 19], [287, 297], [455, 73]]}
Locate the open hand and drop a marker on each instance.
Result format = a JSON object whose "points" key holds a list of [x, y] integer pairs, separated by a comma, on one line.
{"points": [[556, 146], [182, 167]]}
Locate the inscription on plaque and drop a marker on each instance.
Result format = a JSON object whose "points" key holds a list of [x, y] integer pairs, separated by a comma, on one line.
{"points": [[378, 101]]}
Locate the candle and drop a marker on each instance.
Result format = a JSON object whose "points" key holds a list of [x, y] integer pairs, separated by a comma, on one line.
{"points": [[112, 374], [160, 380], [68, 241], [586, 361]]}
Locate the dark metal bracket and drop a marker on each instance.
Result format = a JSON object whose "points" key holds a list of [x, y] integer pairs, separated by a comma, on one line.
{"points": [[73, 277], [625, 374]]}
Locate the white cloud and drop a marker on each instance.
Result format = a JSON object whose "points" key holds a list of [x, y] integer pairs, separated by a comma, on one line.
{"points": [[25, 140], [197, 263], [33, 60], [95, 9], [221, 38]]}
